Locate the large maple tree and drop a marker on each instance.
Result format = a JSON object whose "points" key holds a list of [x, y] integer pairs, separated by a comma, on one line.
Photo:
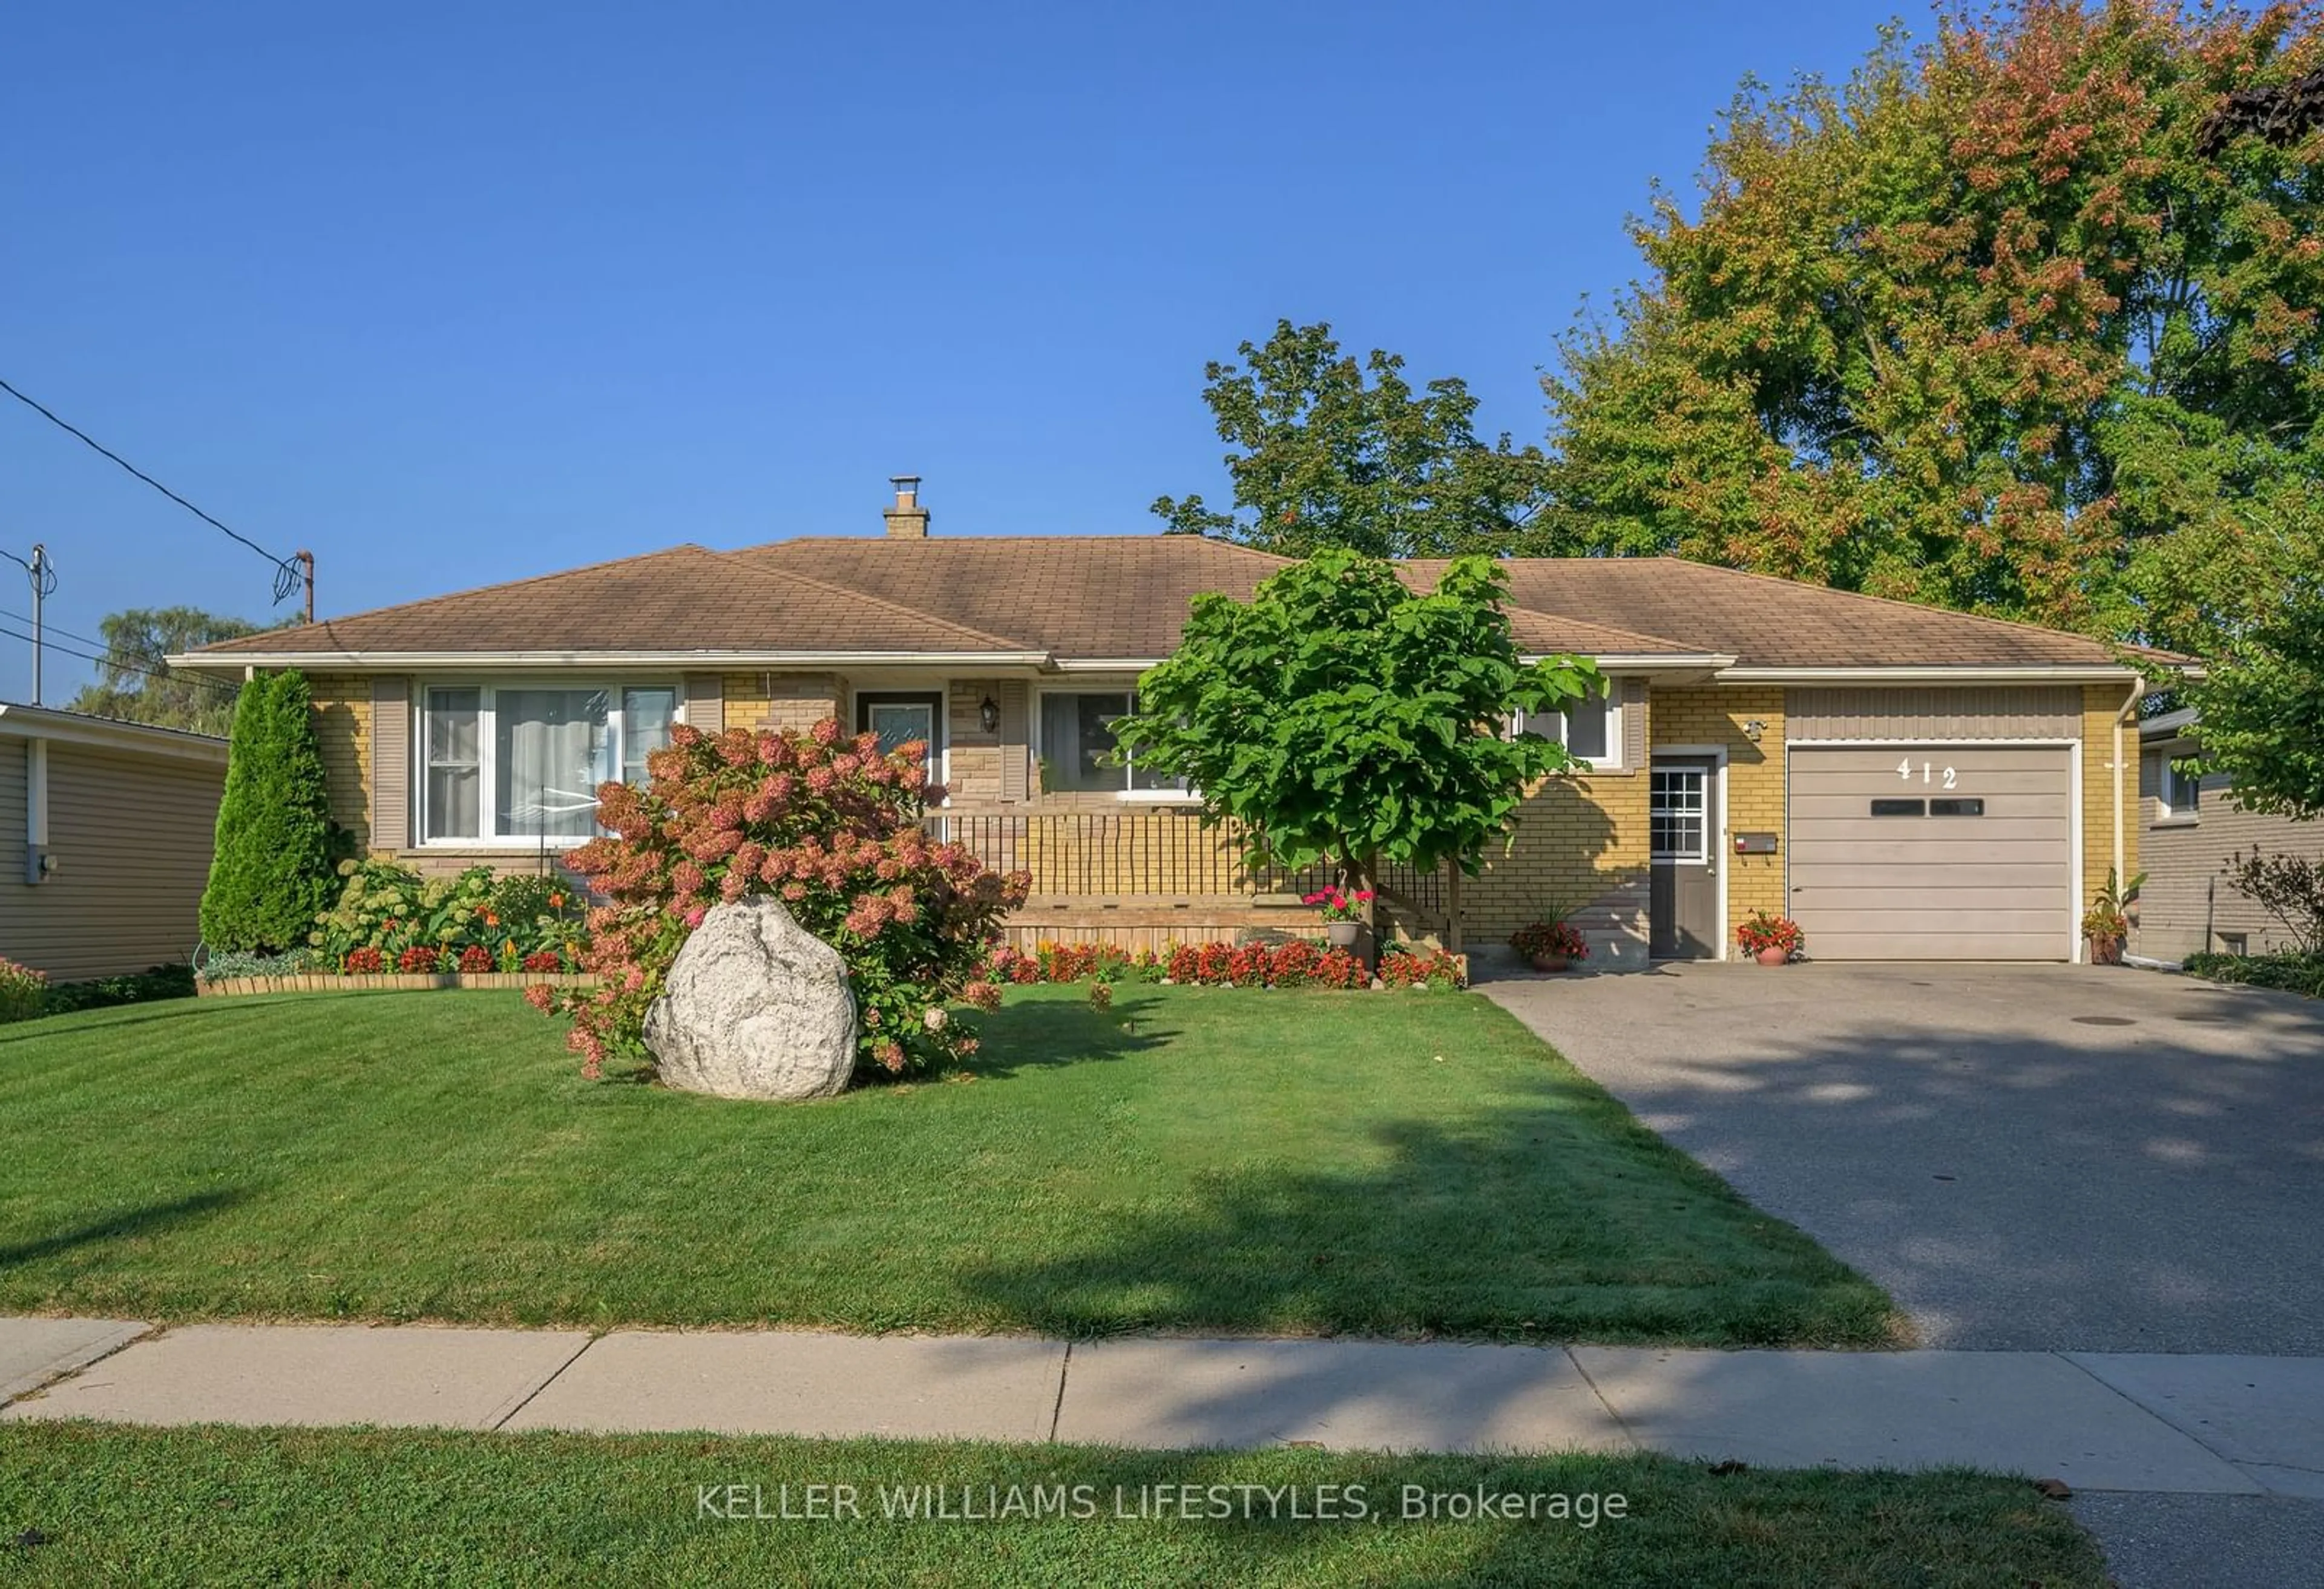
{"points": [[2023, 320]]}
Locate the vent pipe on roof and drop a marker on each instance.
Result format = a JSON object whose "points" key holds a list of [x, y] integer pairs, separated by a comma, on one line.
{"points": [[906, 520]]}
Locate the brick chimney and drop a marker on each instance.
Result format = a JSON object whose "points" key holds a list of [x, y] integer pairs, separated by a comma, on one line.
{"points": [[906, 520]]}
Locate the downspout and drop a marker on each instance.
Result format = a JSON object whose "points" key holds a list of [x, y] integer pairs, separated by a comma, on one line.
{"points": [[2129, 710]]}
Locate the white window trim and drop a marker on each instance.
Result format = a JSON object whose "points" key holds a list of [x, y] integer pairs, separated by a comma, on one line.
{"points": [[488, 751], [1127, 796], [2167, 815], [1616, 743]]}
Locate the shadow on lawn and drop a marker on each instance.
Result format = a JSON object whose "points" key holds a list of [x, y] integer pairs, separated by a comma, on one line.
{"points": [[177, 1010], [1040, 1034], [129, 1223], [1548, 1217]]}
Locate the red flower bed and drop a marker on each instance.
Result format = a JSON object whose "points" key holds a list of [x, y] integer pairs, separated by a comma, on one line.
{"points": [[544, 960], [1299, 963], [419, 959], [364, 962], [475, 958]]}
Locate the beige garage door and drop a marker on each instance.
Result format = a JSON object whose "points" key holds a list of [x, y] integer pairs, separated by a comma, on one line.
{"points": [[1954, 853]]}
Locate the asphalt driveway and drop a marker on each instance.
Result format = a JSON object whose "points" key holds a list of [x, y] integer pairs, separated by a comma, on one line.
{"points": [[2028, 1157]]}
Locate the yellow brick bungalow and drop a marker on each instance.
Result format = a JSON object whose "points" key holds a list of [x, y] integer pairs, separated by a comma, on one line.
{"points": [[1905, 783]]}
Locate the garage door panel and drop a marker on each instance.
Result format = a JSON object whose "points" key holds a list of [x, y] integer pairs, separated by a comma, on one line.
{"points": [[1993, 886], [1834, 886], [1936, 946], [2029, 784], [2009, 852], [1867, 920], [1851, 832]]}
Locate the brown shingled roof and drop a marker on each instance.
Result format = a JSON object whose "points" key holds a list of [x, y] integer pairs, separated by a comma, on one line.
{"points": [[1074, 595], [1093, 597], [1103, 596], [1762, 622], [685, 598]]}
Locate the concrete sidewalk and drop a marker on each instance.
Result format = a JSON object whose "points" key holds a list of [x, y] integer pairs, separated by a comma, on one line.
{"points": [[2130, 1422]]}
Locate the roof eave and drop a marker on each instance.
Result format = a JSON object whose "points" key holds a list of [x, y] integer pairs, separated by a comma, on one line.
{"points": [[400, 661], [1642, 661], [2053, 672], [72, 728]]}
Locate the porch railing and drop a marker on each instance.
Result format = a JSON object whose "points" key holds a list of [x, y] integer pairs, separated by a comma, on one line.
{"points": [[1162, 854]]}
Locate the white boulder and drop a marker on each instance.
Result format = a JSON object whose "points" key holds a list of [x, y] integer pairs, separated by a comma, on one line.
{"points": [[755, 1007]]}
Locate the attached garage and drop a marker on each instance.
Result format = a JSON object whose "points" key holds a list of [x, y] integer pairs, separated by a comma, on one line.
{"points": [[1960, 851]]}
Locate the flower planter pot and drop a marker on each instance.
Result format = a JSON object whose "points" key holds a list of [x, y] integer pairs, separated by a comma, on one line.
{"points": [[1343, 934], [1550, 962], [1771, 956], [2105, 952]]}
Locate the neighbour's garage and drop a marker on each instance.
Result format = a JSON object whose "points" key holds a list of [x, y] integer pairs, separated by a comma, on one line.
{"points": [[1932, 852]]}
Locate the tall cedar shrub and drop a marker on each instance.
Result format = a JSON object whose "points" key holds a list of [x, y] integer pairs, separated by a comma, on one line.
{"points": [[826, 824], [271, 869]]}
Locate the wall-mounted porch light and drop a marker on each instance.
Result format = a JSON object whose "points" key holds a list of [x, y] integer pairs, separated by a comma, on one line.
{"points": [[1753, 730], [989, 714]]}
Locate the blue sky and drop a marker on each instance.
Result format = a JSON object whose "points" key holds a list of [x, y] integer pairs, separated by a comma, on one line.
{"points": [[458, 294]]}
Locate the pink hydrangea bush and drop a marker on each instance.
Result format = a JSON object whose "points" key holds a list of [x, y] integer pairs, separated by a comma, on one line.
{"points": [[828, 825]]}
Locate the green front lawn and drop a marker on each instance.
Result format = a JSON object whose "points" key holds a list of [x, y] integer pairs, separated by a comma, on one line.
{"points": [[241, 1506], [1392, 1164]]}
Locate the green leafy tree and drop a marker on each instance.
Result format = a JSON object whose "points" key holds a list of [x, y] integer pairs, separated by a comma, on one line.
{"points": [[2262, 708], [1991, 324], [135, 686], [1332, 452], [1341, 716], [270, 871]]}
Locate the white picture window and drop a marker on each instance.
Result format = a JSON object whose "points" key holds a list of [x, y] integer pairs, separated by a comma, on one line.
{"points": [[1591, 728], [514, 762], [1077, 746]]}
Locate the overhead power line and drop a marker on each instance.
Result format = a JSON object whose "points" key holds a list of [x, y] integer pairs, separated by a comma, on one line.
{"points": [[289, 571], [164, 671]]}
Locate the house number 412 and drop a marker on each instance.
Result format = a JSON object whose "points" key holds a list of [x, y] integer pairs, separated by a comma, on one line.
{"points": [[1904, 771]]}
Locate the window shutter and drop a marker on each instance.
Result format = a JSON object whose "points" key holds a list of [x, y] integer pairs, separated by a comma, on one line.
{"points": [[1634, 722], [1014, 751], [706, 703], [391, 763]]}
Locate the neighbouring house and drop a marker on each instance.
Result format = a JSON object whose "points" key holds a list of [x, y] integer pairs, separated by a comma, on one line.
{"points": [[2191, 828], [1907, 782], [110, 826]]}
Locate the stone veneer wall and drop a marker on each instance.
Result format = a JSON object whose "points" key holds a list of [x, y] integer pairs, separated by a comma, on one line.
{"points": [[972, 776], [785, 700]]}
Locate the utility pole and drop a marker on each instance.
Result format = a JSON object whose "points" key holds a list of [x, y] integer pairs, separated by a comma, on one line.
{"points": [[306, 560], [41, 580], [44, 583]]}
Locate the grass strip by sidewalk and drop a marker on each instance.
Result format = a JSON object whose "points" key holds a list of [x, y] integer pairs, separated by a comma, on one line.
{"points": [[220, 1506], [1392, 1164]]}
